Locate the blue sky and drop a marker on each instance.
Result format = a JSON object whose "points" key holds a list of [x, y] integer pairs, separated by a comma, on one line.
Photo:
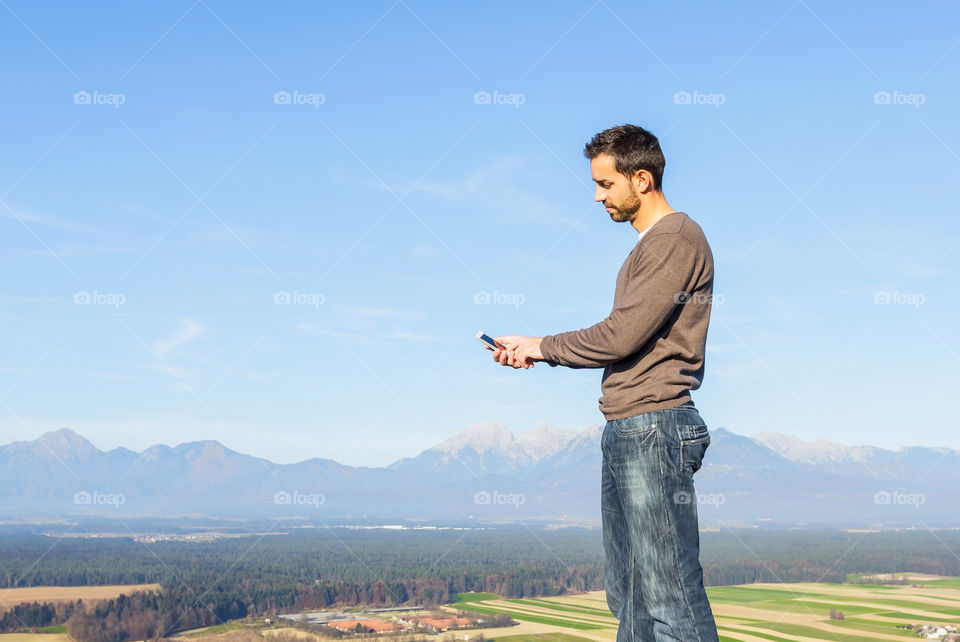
{"points": [[269, 224]]}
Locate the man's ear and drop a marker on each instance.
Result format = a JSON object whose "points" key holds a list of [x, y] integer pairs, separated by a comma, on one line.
{"points": [[642, 181]]}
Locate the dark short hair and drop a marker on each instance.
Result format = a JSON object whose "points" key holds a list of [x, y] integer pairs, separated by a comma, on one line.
{"points": [[633, 148]]}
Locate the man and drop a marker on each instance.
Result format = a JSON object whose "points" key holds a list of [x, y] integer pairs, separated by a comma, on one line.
{"points": [[651, 349]]}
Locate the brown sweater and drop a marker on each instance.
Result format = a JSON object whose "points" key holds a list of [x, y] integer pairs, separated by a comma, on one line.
{"points": [[651, 346]]}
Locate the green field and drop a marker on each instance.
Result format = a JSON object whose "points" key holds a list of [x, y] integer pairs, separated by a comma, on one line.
{"points": [[778, 612]]}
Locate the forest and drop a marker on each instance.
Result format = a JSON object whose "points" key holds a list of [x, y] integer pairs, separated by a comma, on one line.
{"points": [[204, 583]]}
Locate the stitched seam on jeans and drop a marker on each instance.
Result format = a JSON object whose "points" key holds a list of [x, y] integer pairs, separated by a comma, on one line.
{"points": [[676, 565], [645, 431], [674, 540]]}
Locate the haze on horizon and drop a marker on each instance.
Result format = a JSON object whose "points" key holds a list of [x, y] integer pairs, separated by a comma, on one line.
{"points": [[248, 224]]}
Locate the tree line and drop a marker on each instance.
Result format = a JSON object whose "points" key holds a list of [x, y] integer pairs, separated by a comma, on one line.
{"points": [[205, 583]]}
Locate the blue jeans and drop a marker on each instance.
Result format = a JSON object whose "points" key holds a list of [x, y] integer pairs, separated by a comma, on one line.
{"points": [[652, 573]]}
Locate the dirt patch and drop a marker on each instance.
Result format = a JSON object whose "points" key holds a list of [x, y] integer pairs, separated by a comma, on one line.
{"points": [[14, 596]]}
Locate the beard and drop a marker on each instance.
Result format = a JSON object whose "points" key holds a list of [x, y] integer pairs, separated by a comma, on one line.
{"points": [[627, 210]]}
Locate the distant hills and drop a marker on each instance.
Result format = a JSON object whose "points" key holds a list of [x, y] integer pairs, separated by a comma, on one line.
{"points": [[485, 473]]}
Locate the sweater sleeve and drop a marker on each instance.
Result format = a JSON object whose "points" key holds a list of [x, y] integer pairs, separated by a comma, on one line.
{"points": [[656, 284]]}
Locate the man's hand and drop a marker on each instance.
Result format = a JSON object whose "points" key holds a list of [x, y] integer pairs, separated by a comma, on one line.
{"points": [[517, 351]]}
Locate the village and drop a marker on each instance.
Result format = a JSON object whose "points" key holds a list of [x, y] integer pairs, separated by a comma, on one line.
{"points": [[944, 633], [411, 619]]}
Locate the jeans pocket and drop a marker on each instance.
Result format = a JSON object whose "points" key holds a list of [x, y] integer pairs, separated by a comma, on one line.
{"points": [[694, 441], [634, 426]]}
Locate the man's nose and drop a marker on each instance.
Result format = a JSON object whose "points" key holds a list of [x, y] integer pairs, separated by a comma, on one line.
{"points": [[599, 196]]}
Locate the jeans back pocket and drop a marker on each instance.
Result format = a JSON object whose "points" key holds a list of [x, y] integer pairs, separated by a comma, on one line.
{"points": [[694, 440]]}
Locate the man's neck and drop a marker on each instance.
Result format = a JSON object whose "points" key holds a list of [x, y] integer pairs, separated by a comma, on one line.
{"points": [[651, 213]]}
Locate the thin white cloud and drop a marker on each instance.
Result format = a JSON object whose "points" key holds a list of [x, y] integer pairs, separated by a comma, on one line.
{"points": [[190, 329], [316, 331], [46, 220], [426, 250], [493, 186], [379, 312], [74, 251], [408, 336]]}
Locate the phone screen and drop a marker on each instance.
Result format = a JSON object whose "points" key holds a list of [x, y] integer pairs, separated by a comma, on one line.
{"points": [[487, 340]]}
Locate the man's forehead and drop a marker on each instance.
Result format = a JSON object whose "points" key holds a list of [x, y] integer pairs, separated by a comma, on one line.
{"points": [[603, 167]]}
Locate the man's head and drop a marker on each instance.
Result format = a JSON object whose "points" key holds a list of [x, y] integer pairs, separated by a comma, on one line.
{"points": [[627, 166]]}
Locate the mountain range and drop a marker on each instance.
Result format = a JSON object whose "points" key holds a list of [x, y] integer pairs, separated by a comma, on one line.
{"points": [[485, 473]]}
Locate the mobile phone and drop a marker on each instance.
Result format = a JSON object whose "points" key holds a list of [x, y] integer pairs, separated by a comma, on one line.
{"points": [[488, 341]]}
